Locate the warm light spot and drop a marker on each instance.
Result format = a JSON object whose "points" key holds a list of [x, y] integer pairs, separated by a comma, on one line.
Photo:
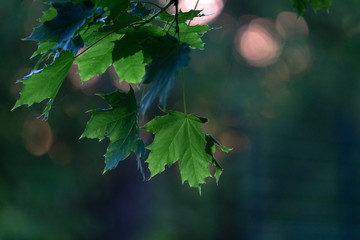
{"points": [[257, 43], [276, 76], [211, 8], [350, 25], [288, 25], [298, 58], [37, 136], [275, 82]]}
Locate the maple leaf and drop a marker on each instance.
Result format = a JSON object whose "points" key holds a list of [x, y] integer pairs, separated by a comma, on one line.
{"points": [[167, 57], [91, 34], [119, 123], [98, 58], [45, 83], [131, 69], [191, 35], [178, 137], [210, 149], [63, 27]]}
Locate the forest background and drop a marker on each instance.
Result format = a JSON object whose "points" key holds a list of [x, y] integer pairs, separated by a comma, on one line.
{"points": [[290, 111]]}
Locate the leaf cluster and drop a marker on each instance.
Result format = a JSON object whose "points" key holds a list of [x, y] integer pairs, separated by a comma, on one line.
{"points": [[146, 48]]}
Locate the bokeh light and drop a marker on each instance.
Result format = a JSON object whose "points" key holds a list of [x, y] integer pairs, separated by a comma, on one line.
{"points": [[298, 58], [350, 24], [37, 136], [211, 8], [258, 43], [288, 25]]}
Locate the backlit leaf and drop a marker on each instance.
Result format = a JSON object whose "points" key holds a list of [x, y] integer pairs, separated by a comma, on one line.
{"points": [[191, 35], [119, 123], [178, 137], [97, 59], [45, 83], [131, 69]]}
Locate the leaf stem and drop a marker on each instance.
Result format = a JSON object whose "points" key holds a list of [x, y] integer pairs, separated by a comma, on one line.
{"points": [[183, 88]]}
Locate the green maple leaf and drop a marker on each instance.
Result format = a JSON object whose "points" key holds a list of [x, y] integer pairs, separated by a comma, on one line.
{"points": [[300, 5], [178, 137], [98, 58], [131, 69], [191, 35], [91, 33], [45, 83], [119, 123]]}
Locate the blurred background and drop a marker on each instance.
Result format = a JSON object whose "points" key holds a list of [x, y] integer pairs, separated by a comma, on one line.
{"points": [[282, 92]]}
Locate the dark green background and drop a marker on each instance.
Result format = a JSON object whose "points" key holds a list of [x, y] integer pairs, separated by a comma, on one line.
{"points": [[293, 173]]}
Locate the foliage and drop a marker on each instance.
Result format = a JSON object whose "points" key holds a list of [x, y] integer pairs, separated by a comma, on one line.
{"points": [[300, 5], [178, 136], [146, 49], [120, 124]]}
